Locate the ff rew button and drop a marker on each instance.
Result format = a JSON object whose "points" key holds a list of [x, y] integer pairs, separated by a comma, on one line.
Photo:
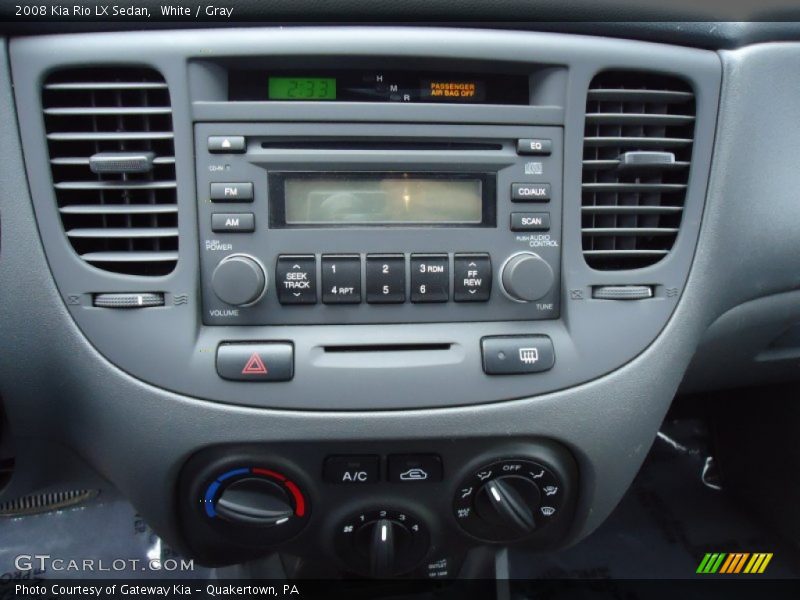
{"points": [[351, 469], [296, 279], [472, 278], [404, 468], [510, 355], [262, 361]]}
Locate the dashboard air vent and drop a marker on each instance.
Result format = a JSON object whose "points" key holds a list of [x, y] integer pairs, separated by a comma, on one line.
{"points": [[636, 154], [112, 158]]}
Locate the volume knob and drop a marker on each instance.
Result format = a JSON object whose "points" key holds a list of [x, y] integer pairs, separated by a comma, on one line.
{"points": [[239, 280], [527, 277]]}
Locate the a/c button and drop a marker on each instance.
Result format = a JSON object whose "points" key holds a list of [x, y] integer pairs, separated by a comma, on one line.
{"points": [[351, 469]]}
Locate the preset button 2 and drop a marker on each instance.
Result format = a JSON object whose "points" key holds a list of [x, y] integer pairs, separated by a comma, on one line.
{"points": [[386, 279], [296, 279], [430, 278]]}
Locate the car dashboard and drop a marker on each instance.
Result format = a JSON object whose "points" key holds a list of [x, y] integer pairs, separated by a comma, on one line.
{"points": [[381, 296]]}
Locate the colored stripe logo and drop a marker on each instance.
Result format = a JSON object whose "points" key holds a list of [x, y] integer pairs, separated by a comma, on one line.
{"points": [[734, 563]]}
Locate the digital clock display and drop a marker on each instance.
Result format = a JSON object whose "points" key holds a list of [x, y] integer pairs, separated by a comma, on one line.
{"points": [[302, 88]]}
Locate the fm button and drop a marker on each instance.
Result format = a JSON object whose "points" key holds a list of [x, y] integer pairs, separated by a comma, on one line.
{"points": [[296, 279]]}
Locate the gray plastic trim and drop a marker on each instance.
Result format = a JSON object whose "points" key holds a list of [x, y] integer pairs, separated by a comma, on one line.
{"points": [[180, 352]]}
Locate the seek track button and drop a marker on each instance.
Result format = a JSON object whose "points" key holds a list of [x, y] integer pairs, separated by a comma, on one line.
{"points": [[296, 279]]}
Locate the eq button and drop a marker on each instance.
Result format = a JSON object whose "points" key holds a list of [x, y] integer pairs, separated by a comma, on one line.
{"points": [[296, 279]]}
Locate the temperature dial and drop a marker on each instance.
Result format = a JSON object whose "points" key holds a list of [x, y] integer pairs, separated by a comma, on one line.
{"points": [[382, 543], [508, 500], [256, 499]]}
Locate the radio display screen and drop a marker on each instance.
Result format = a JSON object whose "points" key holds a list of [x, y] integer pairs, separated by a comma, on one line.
{"points": [[382, 199]]}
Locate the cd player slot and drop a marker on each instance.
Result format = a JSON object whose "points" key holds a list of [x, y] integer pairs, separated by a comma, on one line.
{"points": [[392, 145], [386, 348]]}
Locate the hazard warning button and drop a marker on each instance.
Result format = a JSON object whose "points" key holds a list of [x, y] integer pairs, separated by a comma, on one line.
{"points": [[256, 361]]}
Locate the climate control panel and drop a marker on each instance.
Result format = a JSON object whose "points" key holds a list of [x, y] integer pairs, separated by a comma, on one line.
{"points": [[380, 509]]}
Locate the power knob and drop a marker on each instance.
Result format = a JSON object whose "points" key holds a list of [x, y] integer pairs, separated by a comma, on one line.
{"points": [[526, 277], [239, 280]]}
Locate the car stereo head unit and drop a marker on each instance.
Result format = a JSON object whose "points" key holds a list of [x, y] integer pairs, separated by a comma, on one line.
{"points": [[369, 223]]}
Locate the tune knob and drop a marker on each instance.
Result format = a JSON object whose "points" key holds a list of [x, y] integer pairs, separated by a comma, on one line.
{"points": [[527, 277], [239, 280]]}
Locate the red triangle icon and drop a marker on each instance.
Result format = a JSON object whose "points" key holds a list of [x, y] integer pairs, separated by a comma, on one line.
{"points": [[255, 366]]}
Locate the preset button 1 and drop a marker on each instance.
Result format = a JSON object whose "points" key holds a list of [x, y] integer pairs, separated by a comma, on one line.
{"points": [[341, 279], [296, 279]]}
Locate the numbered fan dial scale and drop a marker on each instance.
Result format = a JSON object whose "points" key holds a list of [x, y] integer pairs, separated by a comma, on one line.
{"points": [[508, 500], [359, 539]]}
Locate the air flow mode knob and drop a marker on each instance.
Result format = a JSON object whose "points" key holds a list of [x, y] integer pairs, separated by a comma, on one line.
{"points": [[527, 277], [239, 280]]}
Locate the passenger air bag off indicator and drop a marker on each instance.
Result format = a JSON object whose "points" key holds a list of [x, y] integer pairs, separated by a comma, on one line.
{"points": [[446, 90]]}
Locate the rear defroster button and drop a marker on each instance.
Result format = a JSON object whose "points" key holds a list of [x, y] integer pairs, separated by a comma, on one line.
{"points": [[512, 355]]}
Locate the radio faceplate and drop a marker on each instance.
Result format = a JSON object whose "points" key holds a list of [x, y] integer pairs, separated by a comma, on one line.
{"points": [[404, 272]]}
